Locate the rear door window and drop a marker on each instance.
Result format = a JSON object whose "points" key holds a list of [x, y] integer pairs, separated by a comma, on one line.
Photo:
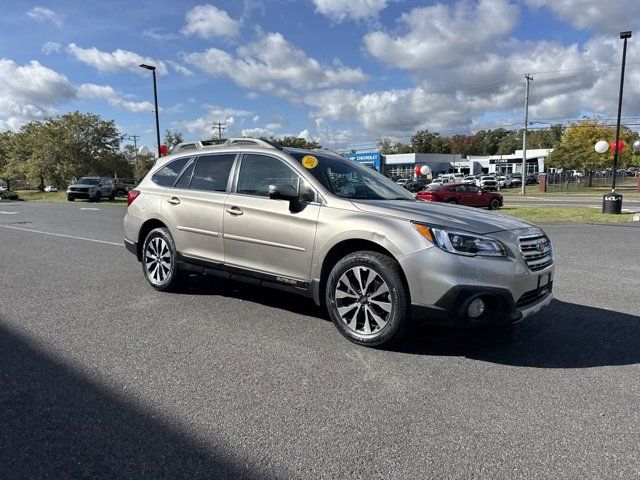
{"points": [[211, 172], [168, 174]]}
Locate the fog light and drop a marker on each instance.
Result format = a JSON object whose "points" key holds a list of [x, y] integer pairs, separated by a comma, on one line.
{"points": [[476, 308]]}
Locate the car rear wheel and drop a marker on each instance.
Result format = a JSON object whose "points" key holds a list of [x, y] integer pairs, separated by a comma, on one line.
{"points": [[367, 299], [159, 260], [452, 201], [494, 204]]}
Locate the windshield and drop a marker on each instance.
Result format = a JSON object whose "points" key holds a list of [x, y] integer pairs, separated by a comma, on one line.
{"points": [[348, 179], [435, 186], [88, 181]]}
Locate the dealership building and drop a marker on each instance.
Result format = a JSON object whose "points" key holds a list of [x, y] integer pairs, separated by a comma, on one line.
{"points": [[404, 164]]}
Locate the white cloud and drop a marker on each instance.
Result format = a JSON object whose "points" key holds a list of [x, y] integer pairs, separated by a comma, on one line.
{"points": [[256, 119], [257, 132], [29, 92], [207, 21], [339, 10], [201, 127], [597, 15], [443, 36], [51, 47], [113, 97], [158, 35], [43, 14], [115, 61], [273, 65], [181, 69]]}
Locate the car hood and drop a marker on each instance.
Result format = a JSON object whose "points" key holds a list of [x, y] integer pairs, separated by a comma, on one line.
{"points": [[468, 219], [82, 185]]}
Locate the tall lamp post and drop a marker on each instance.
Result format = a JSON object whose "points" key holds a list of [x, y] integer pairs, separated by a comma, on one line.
{"points": [[614, 197], [155, 101]]}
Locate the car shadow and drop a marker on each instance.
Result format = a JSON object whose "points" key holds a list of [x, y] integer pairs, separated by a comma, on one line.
{"points": [[58, 423], [564, 335]]}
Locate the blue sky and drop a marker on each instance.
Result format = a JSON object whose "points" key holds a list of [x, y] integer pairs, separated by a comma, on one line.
{"points": [[344, 72]]}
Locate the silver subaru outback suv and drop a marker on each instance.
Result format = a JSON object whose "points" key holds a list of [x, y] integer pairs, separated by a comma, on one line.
{"points": [[320, 225]]}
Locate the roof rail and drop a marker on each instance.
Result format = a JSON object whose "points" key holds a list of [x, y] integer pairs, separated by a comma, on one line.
{"points": [[199, 144], [251, 141]]}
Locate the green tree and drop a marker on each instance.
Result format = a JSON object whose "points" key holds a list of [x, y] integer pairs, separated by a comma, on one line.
{"points": [[171, 138], [295, 142], [6, 145], [576, 149]]}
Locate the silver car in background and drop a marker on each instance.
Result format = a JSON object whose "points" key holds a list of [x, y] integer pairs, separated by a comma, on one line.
{"points": [[317, 224]]}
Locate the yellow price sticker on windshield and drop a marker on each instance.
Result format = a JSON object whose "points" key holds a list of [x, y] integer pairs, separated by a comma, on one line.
{"points": [[309, 161]]}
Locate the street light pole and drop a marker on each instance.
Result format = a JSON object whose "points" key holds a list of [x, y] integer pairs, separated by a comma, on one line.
{"points": [[155, 100], [625, 36], [528, 78]]}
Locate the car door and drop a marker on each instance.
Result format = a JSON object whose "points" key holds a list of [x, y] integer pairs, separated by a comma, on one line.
{"points": [[194, 205], [266, 236], [474, 196]]}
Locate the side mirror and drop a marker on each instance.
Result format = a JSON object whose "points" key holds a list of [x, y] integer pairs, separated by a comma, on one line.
{"points": [[283, 192]]}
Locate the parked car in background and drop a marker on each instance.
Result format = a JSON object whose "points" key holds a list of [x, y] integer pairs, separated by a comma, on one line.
{"points": [[503, 181], [50, 188], [516, 179], [416, 186], [91, 188], [402, 181], [487, 182], [123, 186], [469, 179], [462, 194], [2, 188]]}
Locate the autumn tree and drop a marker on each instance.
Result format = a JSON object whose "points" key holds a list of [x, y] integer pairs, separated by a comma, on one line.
{"points": [[576, 149], [295, 142]]}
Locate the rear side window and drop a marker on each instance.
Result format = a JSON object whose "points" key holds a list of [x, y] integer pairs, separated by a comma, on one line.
{"points": [[185, 178], [168, 174], [212, 172]]}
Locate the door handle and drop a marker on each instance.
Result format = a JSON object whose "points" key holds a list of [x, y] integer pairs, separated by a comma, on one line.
{"points": [[234, 210], [174, 201]]}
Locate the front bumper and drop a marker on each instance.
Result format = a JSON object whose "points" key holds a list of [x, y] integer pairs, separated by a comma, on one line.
{"points": [[442, 285], [81, 195]]}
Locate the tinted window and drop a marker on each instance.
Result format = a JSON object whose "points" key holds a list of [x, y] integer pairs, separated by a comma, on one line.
{"points": [[167, 174], [257, 172], [212, 172], [458, 188], [473, 188], [185, 178]]}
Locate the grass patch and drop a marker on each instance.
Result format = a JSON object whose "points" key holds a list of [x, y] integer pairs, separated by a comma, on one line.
{"points": [[59, 196], [564, 214]]}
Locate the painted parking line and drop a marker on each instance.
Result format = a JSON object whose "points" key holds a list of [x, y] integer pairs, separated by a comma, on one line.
{"points": [[8, 213], [62, 235], [90, 208]]}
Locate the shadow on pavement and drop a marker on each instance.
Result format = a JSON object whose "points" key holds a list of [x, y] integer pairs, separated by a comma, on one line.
{"points": [[57, 423], [564, 335]]}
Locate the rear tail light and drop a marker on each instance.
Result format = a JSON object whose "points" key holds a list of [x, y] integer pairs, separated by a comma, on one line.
{"points": [[131, 196]]}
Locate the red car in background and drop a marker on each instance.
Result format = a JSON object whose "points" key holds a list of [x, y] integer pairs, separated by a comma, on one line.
{"points": [[463, 194]]}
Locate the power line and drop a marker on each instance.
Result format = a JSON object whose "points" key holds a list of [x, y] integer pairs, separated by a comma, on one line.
{"points": [[221, 127]]}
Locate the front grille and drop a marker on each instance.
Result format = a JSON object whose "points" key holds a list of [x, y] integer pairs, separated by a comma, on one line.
{"points": [[537, 251], [79, 189], [533, 295]]}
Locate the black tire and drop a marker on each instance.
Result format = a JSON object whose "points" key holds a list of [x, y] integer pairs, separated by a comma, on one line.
{"points": [[121, 193], [96, 197], [494, 204], [387, 271], [112, 196], [452, 201], [71, 198], [172, 279]]}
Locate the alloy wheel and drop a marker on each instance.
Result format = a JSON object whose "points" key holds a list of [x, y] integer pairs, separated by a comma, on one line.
{"points": [[157, 260], [363, 300]]}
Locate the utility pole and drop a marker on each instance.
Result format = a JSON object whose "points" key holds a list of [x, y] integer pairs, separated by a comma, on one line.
{"points": [[528, 78], [220, 126]]}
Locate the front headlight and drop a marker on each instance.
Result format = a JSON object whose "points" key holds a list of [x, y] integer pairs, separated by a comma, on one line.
{"points": [[462, 243]]}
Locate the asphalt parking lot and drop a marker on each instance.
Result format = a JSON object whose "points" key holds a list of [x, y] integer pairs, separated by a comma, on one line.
{"points": [[102, 377]]}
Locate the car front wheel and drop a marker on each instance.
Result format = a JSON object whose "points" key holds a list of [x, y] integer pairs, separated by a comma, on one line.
{"points": [[367, 299], [159, 260], [494, 204]]}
